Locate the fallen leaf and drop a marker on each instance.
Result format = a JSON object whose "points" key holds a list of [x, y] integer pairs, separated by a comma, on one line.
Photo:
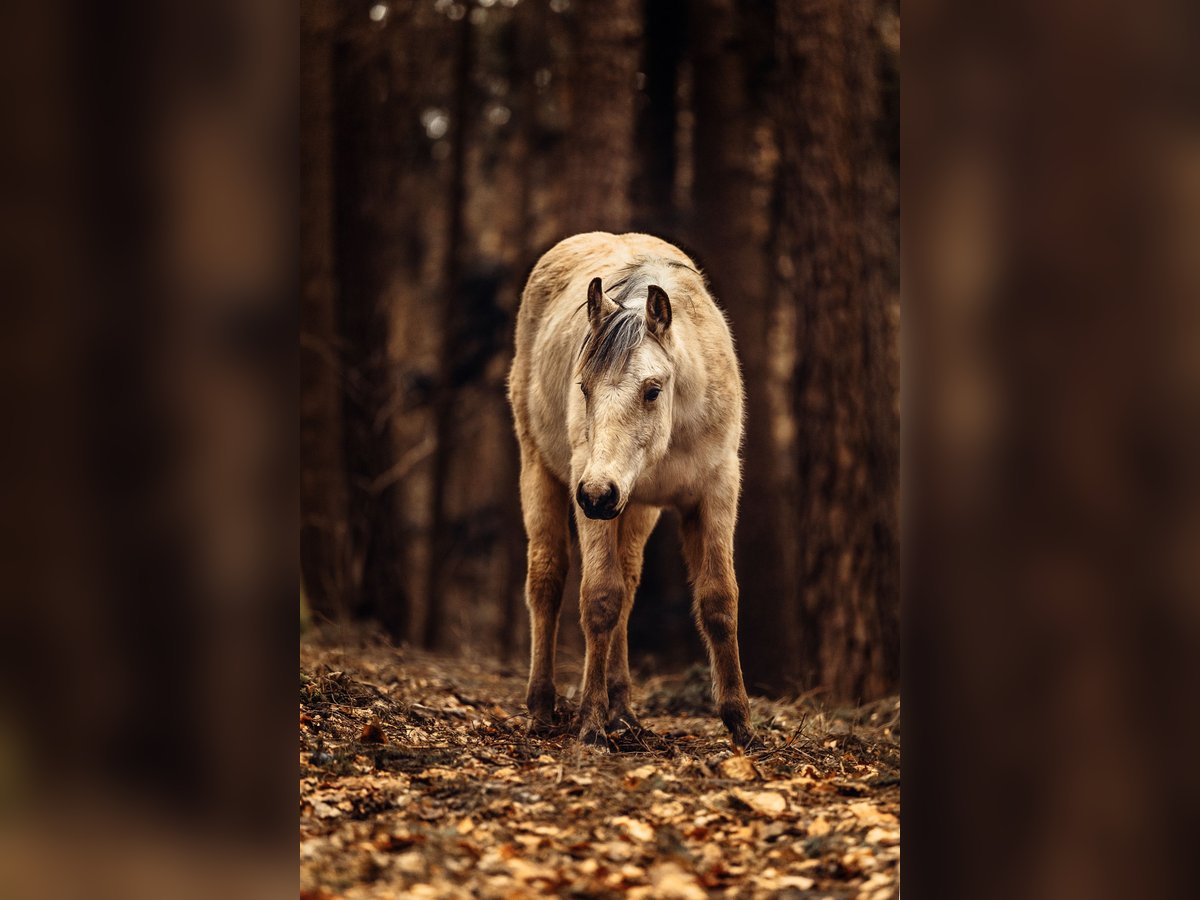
{"points": [[858, 859], [797, 882], [884, 836], [636, 829], [323, 810], [769, 803], [739, 768], [637, 776], [617, 851], [411, 862], [869, 814], [669, 880], [819, 826], [671, 809]]}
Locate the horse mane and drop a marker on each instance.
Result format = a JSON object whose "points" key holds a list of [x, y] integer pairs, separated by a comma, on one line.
{"points": [[624, 329]]}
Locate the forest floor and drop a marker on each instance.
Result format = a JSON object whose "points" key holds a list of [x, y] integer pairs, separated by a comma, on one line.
{"points": [[418, 779]]}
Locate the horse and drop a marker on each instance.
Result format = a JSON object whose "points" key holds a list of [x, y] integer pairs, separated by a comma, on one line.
{"points": [[627, 398]]}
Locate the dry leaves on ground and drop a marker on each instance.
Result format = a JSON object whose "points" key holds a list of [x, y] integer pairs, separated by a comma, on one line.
{"points": [[418, 779]]}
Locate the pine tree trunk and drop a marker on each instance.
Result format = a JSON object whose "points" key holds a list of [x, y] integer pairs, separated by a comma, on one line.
{"points": [[733, 176], [832, 245], [372, 227], [324, 529], [600, 140], [454, 317]]}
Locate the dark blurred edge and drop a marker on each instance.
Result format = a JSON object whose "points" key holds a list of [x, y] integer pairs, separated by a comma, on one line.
{"points": [[1051, 369], [150, 583]]}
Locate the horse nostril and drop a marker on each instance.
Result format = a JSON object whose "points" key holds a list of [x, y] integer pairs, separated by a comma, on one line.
{"points": [[609, 499], [596, 502]]}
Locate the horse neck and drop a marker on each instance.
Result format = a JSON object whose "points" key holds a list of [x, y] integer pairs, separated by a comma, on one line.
{"points": [[691, 377]]}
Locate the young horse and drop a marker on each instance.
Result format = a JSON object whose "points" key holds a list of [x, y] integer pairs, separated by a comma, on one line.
{"points": [[631, 406]]}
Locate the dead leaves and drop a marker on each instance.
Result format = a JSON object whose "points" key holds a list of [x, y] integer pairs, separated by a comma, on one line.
{"points": [[670, 880], [635, 828], [739, 768], [418, 782], [870, 814], [767, 803]]}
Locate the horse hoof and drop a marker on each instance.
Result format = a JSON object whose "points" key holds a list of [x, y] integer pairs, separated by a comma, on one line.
{"points": [[594, 738], [743, 737], [624, 719], [541, 701], [737, 719]]}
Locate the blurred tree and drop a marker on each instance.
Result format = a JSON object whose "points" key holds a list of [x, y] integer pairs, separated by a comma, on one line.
{"points": [[833, 245], [373, 230], [658, 107], [602, 81], [734, 172], [454, 317], [324, 526]]}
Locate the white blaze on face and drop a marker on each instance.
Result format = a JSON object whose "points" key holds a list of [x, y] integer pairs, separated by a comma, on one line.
{"points": [[628, 422], [626, 372]]}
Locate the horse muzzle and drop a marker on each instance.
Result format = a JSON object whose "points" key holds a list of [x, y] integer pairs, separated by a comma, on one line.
{"points": [[599, 501]]}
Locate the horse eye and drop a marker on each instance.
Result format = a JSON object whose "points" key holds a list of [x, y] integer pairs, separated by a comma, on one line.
{"points": [[583, 390], [652, 394]]}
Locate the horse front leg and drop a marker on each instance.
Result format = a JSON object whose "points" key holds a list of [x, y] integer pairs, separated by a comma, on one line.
{"points": [[708, 548], [544, 506], [637, 522], [601, 597]]}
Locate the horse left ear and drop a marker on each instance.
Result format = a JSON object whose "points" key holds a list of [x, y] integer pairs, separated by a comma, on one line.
{"points": [[658, 311]]}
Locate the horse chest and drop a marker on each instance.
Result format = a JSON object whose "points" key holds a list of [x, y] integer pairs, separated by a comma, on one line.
{"points": [[674, 481]]}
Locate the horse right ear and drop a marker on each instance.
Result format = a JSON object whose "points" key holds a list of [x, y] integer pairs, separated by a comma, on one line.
{"points": [[598, 306]]}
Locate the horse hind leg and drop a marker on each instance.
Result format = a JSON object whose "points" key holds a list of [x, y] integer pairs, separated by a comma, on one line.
{"points": [[634, 530], [708, 548], [544, 506]]}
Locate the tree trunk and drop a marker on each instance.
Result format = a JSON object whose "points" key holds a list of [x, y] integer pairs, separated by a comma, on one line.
{"points": [[665, 37], [324, 529], [733, 179], [454, 323], [600, 140], [372, 228], [832, 242]]}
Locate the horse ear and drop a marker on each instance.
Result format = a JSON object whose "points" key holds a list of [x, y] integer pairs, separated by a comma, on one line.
{"points": [[658, 311], [597, 304]]}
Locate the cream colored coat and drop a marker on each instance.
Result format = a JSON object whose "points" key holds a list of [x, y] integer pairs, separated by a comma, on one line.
{"points": [[647, 415]]}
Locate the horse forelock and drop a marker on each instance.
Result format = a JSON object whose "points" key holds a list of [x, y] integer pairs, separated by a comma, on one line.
{"points": [[608, 349]]}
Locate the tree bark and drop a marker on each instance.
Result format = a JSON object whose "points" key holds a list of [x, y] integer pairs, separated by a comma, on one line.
{"points": [[324, 528], [665, 38], [453, 326], [733, 178], [832, 245], [373, 226], [600, 140]]}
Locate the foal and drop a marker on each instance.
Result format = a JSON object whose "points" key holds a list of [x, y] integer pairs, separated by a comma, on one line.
{"points": [[627, 398]]}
